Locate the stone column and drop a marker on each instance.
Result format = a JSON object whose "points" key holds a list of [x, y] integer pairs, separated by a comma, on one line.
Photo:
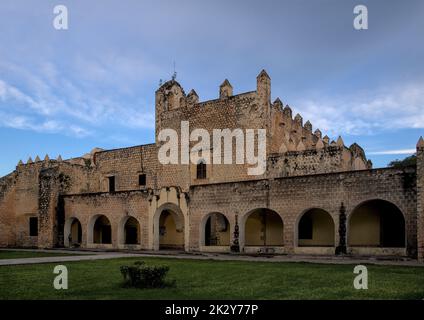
{"points": [[235, 246], [50, 220], [341, 248]]}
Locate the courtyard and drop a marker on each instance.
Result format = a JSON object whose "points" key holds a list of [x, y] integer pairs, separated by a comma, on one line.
{"points": [[202, 278], [23, 254]]}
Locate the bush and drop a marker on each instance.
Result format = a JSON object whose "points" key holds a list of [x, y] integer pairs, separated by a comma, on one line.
{"points": [[142, 276]]}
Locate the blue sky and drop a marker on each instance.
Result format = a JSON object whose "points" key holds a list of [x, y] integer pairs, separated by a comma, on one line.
{"points": [[66, 92]]}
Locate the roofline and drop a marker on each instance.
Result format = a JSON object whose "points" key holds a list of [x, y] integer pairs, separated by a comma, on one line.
{"points": [[123, 148], [146, 191], [306, 176]]}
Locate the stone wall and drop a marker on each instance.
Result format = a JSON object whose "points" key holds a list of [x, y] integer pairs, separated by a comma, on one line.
{"points": [[33, 191], [292, 146], [420, 198], [116, 207], [290, 197], [145, 206], [241, 111], [325, 160], [126, 165], [7, 210]]}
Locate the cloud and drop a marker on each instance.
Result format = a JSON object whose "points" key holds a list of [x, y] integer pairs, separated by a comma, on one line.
{"points": [[393, 152], [44, 99], [10, 93], [398, 107], [43, 126]]}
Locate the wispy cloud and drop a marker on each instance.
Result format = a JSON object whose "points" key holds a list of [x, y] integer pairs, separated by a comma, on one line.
{"points": [[9, 93], [393, 152], [21, 122], [48, 100], [398, 107]]}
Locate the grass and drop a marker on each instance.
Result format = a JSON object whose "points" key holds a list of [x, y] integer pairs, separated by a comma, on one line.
{"points": [[205, 279], [12, 254]]}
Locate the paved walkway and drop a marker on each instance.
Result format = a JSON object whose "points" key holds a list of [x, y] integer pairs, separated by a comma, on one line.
{"points": [[84, 255], [61, 259]]}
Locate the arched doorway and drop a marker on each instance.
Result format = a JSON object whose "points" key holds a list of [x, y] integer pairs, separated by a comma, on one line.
{"points": [[376, 223], [169, 228], [101, 230], [215, 230], [263, 227], [73, 233], [131, 231], [315, 229]]}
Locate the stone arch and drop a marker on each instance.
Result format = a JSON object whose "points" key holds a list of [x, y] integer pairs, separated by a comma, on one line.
{"points": [[72, 232], [315, 228], [261, 227], [168, 227], [218, 233], [99, 230], [129, 231], [376, 223]]}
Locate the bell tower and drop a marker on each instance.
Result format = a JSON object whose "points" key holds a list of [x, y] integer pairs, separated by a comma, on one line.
{"points": [[169, 97]]}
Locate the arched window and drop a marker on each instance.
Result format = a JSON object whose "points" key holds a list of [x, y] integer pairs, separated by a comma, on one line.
{"points": [[201, 170]]}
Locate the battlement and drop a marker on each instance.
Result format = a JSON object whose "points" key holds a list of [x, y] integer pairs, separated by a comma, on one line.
{"points": [[249, 110], [84, 161], [171, 95]]}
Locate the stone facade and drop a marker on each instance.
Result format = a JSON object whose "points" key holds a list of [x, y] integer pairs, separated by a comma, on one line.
{"points": [[420, 198], [316, 195]]}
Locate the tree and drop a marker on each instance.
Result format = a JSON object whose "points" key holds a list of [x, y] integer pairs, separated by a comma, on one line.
{"points": [[408, 161]]}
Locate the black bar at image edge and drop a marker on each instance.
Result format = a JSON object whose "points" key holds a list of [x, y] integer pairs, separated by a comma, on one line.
{"points": [[210, 309]]}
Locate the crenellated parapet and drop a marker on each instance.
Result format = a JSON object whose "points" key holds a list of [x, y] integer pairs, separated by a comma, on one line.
{"points": [[84, 161], [291, 138], [192, 97], [286, 131], [225, 90], [292, 160], [289, 134]]}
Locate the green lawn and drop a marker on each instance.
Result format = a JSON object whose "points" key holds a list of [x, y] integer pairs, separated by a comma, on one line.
{"points": [[11, 254], [201, 279]]}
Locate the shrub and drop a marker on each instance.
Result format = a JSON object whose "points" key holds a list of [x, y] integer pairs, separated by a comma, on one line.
{"points": [[142, 276]]}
